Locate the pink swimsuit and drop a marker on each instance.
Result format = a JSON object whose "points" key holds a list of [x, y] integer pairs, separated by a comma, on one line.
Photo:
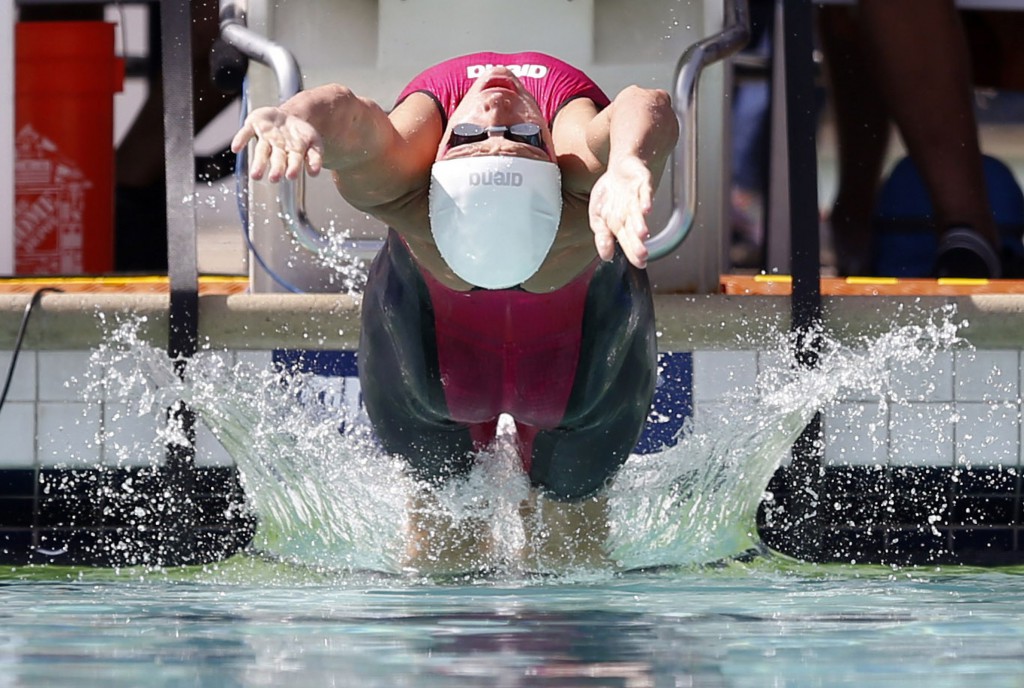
{"points": [[508, 351], [550, 81], [574, 367]]}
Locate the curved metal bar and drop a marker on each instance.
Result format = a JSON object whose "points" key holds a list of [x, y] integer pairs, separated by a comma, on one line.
{"points": [[235, 32], [684, 185]]}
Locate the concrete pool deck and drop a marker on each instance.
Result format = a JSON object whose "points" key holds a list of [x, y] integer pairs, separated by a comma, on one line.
{"points": [[751, 313]]}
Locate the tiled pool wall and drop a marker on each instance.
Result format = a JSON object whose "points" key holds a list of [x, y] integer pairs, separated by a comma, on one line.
{"points": [[933, 478], [86, 481], [932, 475]]}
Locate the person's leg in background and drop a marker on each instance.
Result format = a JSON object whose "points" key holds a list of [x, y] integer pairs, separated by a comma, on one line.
{"points": [[750, 132], [924, 71], [862, 129]]}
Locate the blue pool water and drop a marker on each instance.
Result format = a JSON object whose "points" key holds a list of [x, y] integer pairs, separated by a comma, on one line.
{"points": [[768, 622]]}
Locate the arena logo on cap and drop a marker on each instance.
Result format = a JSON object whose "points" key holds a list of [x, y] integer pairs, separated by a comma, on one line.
{"points": [[523, 71], [495, 179]]}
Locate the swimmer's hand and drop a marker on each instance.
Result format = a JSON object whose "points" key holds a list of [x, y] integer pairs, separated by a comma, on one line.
{"points": [[284, 143], [619, 203]]}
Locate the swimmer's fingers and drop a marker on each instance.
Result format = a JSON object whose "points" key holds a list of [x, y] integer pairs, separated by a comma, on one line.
{"points": [[242, 137], [619, 203], [632, 239], [604, 239], [293, 163], [278, 164], [637, 223], [302, 150], [260, 159], [635, 188], [600, 224], [284, 145], [645, 195], [314, 161], [631, 235]]}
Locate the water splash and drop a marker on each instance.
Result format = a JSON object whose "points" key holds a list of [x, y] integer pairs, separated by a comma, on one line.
{"points": [[697, 501], [328, 496], [347, 271]]}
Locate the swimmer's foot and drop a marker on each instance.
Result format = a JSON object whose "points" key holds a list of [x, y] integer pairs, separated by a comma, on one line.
{"points": [[564, 535], [963, 252], [438, 544]]}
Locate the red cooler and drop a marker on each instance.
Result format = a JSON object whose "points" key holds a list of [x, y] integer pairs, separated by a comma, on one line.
{"points": [[66, 76]]}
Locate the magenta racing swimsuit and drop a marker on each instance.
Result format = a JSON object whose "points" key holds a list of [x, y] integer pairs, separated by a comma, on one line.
{"points": [[574, 367]]}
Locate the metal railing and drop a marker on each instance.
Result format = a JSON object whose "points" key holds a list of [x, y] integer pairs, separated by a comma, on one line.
{"points": [[282, 62], [730, 40]]}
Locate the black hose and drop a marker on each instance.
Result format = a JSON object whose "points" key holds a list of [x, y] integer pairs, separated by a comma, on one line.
{"points": [[21, 338]]}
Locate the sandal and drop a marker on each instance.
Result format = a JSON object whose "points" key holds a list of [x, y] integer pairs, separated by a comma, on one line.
{"points": [[963, 252]]}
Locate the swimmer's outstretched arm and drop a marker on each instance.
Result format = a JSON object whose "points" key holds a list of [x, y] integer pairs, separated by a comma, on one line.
{"points": [[616, 158], [377, 158]]}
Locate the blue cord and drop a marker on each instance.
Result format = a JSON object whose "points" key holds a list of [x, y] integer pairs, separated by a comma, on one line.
{"points": [[241, 193]]}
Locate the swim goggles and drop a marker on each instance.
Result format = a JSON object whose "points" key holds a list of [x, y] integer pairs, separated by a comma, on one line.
{"points": [[523, 132]]}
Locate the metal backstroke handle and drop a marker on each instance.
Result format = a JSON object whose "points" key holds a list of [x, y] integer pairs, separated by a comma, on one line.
{"points": [[235, 32], [730, 40], [712, 49]]}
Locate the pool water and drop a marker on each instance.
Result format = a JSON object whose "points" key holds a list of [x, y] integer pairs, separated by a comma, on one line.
{"points": [[766, 622]]}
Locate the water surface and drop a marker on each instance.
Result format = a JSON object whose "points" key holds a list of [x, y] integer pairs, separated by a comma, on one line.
{"points": [[247, 622]]}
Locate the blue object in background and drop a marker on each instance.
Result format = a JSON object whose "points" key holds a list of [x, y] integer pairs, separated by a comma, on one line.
{"points": [[905, 238], [672, 406], [325, 363], [673, 403]]}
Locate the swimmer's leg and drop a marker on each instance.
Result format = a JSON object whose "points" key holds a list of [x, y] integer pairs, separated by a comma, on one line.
{"points": [[612, 392], [399, 372], [438, 543], [572, 464], [567, 522], [403, 396], [563, 535]]}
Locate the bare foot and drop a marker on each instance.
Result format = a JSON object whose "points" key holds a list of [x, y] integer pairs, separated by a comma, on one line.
{"points": [[440, 544], [564, 535]]}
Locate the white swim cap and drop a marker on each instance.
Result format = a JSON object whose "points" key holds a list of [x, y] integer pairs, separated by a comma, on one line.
{"points": [[494, 217]]}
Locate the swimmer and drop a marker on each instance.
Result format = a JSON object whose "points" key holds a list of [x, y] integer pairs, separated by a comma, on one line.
{"points": [[512, 279]]}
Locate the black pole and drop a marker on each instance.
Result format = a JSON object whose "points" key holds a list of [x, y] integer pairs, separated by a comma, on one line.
{"points": [[182, 262], [801, 124], [805, 267]]}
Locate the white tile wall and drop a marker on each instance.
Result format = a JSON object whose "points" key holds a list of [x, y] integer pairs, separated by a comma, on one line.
{"points": [[23, 384], [67, 433], [857, 433], [131, 440], [924, 435], [964, 409], [257, 359], [987, 434], [18, 430], [62, 374], [916, 382], [718, 374], [986, 375]]}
